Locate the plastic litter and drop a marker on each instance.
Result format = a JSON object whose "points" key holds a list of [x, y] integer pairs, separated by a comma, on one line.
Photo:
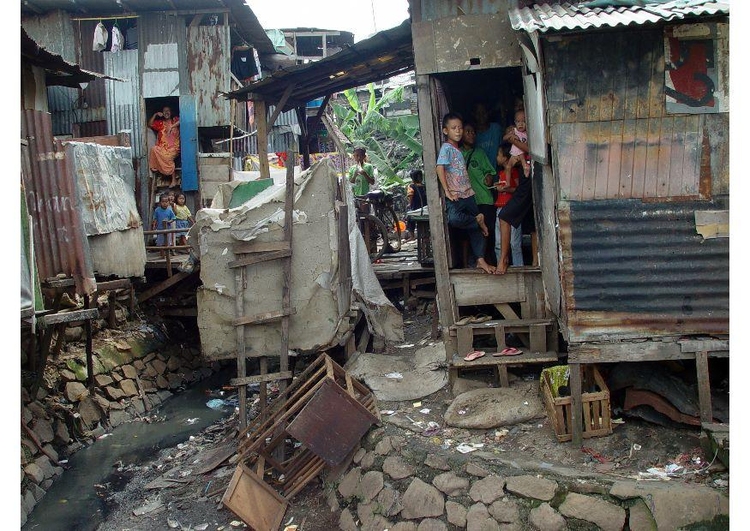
{"points": [[395, 376], [424, 411]]}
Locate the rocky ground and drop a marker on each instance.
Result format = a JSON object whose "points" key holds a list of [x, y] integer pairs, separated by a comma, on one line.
{"points": [[409, 474]]}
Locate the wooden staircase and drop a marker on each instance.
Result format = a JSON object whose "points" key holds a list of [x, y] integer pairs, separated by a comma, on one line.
{"points": [[533, 325], [532, 332]]}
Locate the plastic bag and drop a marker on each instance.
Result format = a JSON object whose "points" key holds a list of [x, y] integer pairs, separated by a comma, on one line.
{"points": [[100, 38]]}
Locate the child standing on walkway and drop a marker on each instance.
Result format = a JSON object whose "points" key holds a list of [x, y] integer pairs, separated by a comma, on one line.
{"points": [[461, 208], [184, 219], [507, 183], [163, 218]]}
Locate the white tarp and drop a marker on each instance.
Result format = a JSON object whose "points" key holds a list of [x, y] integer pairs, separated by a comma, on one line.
{"points": [[317, 322], [105, 183]]}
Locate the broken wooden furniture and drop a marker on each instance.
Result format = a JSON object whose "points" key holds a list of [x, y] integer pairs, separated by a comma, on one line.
{"points": [[534, 327], [315, 423]]}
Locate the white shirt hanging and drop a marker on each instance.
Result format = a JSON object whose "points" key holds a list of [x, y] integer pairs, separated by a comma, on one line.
{"points": [[100, 38], [117, 40]]}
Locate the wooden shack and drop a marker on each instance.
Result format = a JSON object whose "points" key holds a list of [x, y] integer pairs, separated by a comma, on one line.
{"points": [[627, 111]]}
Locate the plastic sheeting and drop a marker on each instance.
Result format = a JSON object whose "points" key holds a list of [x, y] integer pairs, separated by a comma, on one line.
{"points": [[105, 184], [319, 321]]}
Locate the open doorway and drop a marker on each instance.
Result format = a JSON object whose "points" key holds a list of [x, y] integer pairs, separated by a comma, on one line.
{"points": [[162, 120], [487, 100]]}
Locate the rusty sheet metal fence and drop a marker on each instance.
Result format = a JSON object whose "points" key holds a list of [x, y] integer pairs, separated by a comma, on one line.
{"points": [[61, 245], [635, 269]]}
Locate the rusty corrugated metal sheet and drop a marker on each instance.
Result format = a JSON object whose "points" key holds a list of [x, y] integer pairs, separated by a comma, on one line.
{"points": [[61, 245], [638, 270], [208, 60], [548, 16]]}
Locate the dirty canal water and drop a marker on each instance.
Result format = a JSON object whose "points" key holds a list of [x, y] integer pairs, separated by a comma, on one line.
{"points": [[73, 502]]}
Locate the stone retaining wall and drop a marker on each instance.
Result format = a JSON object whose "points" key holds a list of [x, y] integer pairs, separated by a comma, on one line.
{"points": [[132, 375]]}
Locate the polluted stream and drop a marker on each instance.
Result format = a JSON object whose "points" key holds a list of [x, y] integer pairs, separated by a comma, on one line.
{"points": [[75, 500]]}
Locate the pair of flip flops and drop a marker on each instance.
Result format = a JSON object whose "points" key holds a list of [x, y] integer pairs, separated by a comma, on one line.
{"points": [[474, 319], [474, 355], [509, 351]]}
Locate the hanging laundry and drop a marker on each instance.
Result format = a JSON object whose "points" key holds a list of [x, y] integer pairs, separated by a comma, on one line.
{"points": [[117, 40], [100, 38]]}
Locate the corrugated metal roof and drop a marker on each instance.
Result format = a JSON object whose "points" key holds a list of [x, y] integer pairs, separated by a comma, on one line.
{"points": [[247, 24], [545, 16], [383, 55]]}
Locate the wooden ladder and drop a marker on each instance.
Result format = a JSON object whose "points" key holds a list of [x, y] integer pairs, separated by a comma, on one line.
{"points": [[250, 253]]}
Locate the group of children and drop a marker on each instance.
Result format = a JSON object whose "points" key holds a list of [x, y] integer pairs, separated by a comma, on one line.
{"points": [[171, 212], [488, 201]]}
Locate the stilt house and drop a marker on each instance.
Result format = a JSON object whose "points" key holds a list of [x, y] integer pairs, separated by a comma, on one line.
{"points": [[627, 111]]}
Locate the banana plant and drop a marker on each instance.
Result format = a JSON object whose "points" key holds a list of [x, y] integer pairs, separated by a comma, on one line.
{"points": [[392, 144]]}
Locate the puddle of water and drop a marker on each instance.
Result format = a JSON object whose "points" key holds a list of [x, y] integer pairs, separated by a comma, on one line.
{"points": [[72, 502]]}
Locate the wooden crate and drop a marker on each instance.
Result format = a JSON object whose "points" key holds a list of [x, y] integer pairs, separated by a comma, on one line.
{"points": [[597, 418]]}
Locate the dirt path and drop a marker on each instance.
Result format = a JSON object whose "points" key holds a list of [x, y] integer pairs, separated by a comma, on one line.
{"points": [[169, 493]]}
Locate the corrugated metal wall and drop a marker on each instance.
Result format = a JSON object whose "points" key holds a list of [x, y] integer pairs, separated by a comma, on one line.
{"points": [[123, 98], [159, 36], [611, 134], [630, 178], [637, 270], [208, 60], [60, 243]]}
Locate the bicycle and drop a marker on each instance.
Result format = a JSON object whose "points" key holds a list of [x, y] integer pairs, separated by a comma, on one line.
{"points": [[382, 204], [373, 230]]}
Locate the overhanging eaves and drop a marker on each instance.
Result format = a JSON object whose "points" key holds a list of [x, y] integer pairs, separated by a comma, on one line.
{"points": [[383, 55]]}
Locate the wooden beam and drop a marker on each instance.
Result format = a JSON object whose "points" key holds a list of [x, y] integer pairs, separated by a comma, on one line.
{"points": [[258, 258], [277, 110], [261, 318], [68, 317], [704, 387], [260, 378], [260, 247], [428, 126], [171, 281], [262, 131]]}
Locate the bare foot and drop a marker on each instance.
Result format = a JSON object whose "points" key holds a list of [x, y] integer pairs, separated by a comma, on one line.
{"points": [[482, 225], [502, 266], [484, 266]]}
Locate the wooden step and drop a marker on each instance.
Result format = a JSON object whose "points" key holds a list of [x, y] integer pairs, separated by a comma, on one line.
{"points": [[510, 325], [500, 364], [488, 359]]}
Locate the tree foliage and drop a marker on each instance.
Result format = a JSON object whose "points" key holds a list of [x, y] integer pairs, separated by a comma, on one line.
{"points": [[392, 144]]}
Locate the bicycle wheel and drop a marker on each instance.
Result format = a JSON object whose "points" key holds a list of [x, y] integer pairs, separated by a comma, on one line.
{"points": [[390, 220], [378, 236]]}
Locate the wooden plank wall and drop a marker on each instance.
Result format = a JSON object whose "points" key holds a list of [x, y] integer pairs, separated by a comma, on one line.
{"points": [[611, 135]]}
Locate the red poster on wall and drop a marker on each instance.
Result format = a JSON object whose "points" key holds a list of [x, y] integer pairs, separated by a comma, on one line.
{"points": [[696, 74]]}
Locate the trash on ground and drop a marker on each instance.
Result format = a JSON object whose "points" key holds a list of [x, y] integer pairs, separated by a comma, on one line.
{"points": [[433, 428], [394, 376], [424, 411], [466, 448], [388, 412], [417, 404], [407, 345]]}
